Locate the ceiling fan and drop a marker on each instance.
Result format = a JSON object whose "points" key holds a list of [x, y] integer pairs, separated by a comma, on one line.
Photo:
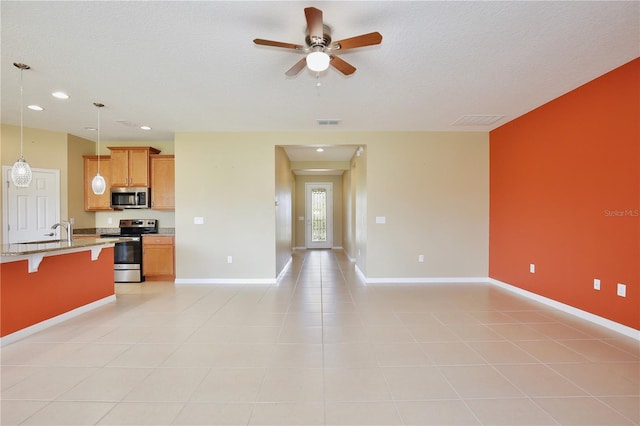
{"points": [[320, 50]]}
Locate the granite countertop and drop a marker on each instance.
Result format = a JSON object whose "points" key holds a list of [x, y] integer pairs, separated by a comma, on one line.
{"points": [[100, 231], [27, 248]]}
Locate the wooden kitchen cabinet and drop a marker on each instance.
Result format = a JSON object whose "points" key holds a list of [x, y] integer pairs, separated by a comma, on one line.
{"points": [[93, 202], [163, 182], [158, 257], [130, 165]]}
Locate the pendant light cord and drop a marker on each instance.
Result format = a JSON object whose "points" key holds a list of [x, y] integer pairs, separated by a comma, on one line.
{"points": [[98, 140], [99, 106], [21, 114]]}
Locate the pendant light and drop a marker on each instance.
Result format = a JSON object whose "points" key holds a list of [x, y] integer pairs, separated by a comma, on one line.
{"points": [[21, 171], [98, 184]]}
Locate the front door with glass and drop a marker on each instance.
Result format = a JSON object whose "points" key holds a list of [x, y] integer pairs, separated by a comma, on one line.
{"points": [[319, 215]]}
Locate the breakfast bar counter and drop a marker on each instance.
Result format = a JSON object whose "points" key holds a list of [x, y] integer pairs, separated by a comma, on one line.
{"points": [[45, 282]]}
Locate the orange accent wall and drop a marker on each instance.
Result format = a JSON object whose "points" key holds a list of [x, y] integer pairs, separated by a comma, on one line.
{"points": [[61, 284], [564, 195]]}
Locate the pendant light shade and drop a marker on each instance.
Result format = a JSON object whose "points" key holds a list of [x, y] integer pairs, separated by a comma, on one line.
{"points": [[21, 171], [98, 184]]}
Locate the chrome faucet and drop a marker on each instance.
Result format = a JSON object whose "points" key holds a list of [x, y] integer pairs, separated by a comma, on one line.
{"points": [[66, 225]]}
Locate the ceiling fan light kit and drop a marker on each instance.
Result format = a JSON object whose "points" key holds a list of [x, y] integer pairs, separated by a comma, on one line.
{"points": [[318, 61], [319, 49]]}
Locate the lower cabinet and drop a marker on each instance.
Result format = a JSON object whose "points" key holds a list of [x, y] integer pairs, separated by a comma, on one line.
{"points": [[158, 257]]}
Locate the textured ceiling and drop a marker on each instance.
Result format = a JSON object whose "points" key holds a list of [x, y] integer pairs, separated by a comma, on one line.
{"points": [[192, 66]]}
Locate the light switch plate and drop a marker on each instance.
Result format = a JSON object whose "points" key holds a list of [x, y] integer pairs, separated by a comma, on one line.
{"points": [[532, 268], [596, 284], [198, 220], [381, 219], [622, 290]]}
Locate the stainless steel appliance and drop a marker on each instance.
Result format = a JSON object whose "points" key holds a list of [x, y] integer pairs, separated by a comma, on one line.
{"points": [[130, 198], [127, 265]]}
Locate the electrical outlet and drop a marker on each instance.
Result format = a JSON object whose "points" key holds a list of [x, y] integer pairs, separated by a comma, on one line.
{"points": [[198, 220], [381, 219], [421, 258], [596, 284], [229, 259], [532, 268], [110, 220], [622, 290]]}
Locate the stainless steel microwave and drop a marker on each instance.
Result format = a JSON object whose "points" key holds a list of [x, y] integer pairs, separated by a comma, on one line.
{"points": [[130, 198]]}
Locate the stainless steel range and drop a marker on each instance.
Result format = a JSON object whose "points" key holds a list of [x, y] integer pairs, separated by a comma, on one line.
{"points": [[127, 263]]}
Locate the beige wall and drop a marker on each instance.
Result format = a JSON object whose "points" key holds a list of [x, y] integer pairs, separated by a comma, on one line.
{"points": [[359, 213], [433, 190], [284, 184], [431, 187], [299, 210], [76, 148], [229, 180]]}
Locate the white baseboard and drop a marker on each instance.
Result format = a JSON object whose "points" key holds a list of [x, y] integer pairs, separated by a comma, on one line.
{"points": [[21, 334], [429, 280], [596, 319], [226, 281]]}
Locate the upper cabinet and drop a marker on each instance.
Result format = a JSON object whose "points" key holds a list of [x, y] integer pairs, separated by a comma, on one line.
{"points": [[162, 182], [130, 165], [92, 201]]}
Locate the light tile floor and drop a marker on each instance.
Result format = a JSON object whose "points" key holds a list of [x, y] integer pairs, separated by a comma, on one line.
{"points": [[321, 348]]}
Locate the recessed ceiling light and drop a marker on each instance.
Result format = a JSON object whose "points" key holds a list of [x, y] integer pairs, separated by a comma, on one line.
{"points": [[145, 127], [35, 107], [320, 150], [60, 95]]}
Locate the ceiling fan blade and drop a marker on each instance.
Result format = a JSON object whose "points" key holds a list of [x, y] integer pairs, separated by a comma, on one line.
{"points": [[358, 41], [277, 44], [341, 65], [297, 67], [314, 23]]}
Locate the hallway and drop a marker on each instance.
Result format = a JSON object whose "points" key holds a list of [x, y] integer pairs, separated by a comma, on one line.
{"points": [[321, 348]]}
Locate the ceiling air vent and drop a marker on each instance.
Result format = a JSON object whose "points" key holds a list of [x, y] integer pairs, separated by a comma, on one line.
{"points": [[328, 121], [126, 123], [477, 120]]}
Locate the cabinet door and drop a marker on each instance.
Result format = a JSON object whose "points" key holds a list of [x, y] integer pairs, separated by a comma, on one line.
{"points": [[93, 202], [158, 257], [119, 167], [138, 167], [163, 182]]}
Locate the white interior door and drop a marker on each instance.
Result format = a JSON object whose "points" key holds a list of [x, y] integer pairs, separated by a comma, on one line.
{"points": [[28, 213], [319, 215]]}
